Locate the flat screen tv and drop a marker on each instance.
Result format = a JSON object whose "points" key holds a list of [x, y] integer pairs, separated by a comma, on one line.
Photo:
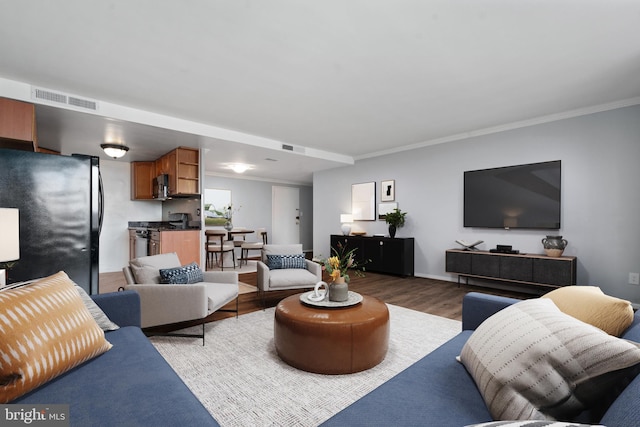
{"points": [[522, 196]]}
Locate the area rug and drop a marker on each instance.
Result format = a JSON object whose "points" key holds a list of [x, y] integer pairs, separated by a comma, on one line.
{"points": [[240, 379]]}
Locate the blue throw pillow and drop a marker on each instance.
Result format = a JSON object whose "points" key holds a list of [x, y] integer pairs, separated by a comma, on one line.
{"points": [[187, 274], [286, 261]]}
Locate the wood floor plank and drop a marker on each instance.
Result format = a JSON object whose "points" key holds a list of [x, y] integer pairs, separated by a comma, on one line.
{"points": [[438, 297]]}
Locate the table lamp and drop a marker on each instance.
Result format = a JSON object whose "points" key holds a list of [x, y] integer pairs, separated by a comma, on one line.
{"points": [[9, 239], [346, 220]]}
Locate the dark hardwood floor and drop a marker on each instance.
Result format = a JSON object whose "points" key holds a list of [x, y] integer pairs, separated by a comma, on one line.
{"points": [[441, 298]]}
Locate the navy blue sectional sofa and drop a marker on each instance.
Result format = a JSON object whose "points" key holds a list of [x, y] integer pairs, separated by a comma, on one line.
{"points": [[129, 385], [438, 391]]}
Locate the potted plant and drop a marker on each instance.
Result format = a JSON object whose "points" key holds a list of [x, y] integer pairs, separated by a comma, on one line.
{"points": [[338, 266], [395, 219]]}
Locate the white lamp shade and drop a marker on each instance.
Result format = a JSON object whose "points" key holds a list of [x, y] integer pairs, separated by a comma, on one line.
{"points": [[10, 232], [346, 218]]}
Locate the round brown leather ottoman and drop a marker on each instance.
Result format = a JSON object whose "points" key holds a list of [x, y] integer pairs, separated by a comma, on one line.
{"points": [[331, 340]]}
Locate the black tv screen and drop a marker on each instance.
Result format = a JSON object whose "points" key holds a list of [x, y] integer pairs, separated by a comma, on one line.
{"points": [[523, 196]]}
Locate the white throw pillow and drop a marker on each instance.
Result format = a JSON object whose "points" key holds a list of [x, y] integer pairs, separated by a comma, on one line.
{"points": [[530, 361]]}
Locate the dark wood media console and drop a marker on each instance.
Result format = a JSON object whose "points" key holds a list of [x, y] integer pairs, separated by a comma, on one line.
{"points": [[528, 269]]}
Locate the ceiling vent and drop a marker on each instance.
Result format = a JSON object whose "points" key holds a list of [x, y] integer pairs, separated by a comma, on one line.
{"points": [[51, 97], [295, 149]]}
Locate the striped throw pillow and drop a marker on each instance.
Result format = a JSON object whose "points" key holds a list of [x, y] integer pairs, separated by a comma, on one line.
{"points": [[530, 361], [45, 330]]}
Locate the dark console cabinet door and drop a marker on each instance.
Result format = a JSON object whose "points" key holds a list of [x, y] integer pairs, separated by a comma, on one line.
{"points": [[381, 254], [516, 268], [349, 243], [485, 265], [554, 272], [459, 262]]}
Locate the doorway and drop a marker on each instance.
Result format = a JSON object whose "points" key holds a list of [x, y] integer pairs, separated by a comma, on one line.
{"points": [[285, 214]]}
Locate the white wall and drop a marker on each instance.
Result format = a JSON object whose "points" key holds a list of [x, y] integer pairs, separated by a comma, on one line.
{"points": [[119, 209], [600, 197]]}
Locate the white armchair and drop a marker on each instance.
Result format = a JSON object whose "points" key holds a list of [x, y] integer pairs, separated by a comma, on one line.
{"points": [[162, 304], [270, 279]]}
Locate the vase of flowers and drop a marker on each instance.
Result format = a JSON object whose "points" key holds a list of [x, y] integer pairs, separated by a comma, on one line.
{"points": [[338, 267]]}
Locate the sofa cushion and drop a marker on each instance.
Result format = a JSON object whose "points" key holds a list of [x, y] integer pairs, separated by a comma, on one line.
{"points": [[531, 361], [219, 294], [434, 391], [592, 306], [276, 262], [98, 315], [146, 270], [291, 278], [45, 330], [130, 385], [280, 250], [186, 274]]}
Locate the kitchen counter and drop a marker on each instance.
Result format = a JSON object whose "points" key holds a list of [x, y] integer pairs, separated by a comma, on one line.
{"points": [[152, 238], [157, 226]]}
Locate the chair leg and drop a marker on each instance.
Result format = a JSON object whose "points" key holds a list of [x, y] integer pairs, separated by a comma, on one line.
{"points": [[171, 334]]}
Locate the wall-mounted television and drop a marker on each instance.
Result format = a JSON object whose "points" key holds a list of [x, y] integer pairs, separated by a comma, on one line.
{"points": [[522, 196]]}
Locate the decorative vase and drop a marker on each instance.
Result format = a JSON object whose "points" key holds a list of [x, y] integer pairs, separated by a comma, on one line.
{"points": [[228, 225], [339, 290], [392, 231], [554, 245]]}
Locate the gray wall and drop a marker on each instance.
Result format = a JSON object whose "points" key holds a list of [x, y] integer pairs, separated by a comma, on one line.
{"points": [[254, 199], [600, 196]]}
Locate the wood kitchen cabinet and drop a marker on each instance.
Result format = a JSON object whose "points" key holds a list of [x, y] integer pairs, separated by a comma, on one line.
{"points": [[182, 165], [142, 174], [18, 125], [187, 172], [186, 243]]}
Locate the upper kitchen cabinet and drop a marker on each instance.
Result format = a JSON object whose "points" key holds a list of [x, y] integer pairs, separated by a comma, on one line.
{"points": [[182, 166], [187, 172], [142, 174], [18, 125]]}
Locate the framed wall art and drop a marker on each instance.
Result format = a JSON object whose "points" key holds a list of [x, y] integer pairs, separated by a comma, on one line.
{"points": [[363, 201], [388, 191]]}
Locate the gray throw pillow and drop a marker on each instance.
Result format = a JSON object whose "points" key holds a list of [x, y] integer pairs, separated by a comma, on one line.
{"points": [[530, 361], [96, 312]]}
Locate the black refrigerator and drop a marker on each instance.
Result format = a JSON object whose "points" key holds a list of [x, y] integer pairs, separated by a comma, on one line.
{"points": [[60, 208]]}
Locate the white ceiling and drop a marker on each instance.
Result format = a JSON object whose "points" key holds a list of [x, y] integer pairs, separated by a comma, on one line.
{"points": [[340, 80]]}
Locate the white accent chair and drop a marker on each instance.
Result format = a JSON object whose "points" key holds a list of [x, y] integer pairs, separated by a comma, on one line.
{"points": [[288, 278], [163, 304]]}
